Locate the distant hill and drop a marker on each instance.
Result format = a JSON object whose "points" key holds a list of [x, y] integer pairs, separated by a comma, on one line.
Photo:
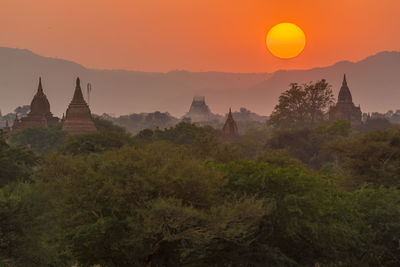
{"points": [[373, 82]]}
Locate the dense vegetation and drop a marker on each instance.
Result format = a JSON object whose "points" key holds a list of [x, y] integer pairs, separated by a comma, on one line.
{"points": [[321, 195]]}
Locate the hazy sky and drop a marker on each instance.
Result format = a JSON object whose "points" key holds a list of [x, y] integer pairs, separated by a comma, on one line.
{"points": [[197, 35]]}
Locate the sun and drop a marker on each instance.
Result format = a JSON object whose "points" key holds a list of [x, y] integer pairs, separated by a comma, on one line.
{"points": [[286, 40]]}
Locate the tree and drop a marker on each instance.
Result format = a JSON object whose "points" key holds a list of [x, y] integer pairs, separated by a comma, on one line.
{"points": [[103, 125], [370, 158], [40, 139], [22, 111], [302, 105], [308, 222], [16, 163], [95, 142], [379, 217], [374, 124], [26, 236], [142, 207], [184, 133], [309, 144]]}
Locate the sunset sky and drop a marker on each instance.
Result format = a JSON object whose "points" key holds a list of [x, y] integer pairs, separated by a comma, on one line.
{"points": [[197, 35]]}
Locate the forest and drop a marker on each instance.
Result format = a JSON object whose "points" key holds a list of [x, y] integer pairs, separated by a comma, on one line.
{"points": [[305, 192]]}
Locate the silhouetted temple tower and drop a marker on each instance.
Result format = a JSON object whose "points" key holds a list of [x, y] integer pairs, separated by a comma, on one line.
{"points": [[345, 108], [39, 114], [78, 118], [230, 129]]}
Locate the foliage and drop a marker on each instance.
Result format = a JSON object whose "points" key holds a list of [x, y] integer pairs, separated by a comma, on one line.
{"points": [[24, 234], [94, 142], [304, 226], [103, 125], [108, 137], [16, 163], [379, 211], [40, 139], [22, 111], [182, 133], [374, 125], [179, 197], [302, 105], [307, 144], [372, 158]]}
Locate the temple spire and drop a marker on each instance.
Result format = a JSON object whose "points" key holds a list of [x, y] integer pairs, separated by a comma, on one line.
{"points": [[78, 118], [230, 113], [78, 96], [230, 130], [344, 93], [40, 88], [345, 108], [344, 83]]}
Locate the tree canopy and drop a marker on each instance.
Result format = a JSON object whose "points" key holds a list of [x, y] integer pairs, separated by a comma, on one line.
{"points": [[325, 195], [302, 105]]}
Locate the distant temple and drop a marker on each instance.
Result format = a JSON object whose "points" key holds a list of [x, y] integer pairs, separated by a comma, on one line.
{"points": [[199, 111], [39, 114], [230, 129], [345, 108], [78, 118]]}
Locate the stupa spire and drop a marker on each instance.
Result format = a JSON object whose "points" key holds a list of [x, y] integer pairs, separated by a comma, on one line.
{"points": [[344, 93], [78, 96], [344, 83], [230, 130], [40, 87], [345, 108], [78, 118]]}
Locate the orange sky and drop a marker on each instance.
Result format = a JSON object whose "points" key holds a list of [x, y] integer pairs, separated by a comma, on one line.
{"points": [[197, 35]]}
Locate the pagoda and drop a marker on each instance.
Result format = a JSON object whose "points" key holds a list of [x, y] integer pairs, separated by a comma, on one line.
{"points": [[78, 118], [230, 129], [199, 111], [345, 108], [39, 114]]}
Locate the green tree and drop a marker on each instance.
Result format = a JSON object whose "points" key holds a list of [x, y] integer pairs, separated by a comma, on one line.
{"points": [[370, 158], [309, 144], [302, 105], [184, 133], [375, 124], [95, 142], [16, 163], [379, 223], [108, 137], [309, 221], [119, 190], [103, 125], [40, 139], [25, 234]]}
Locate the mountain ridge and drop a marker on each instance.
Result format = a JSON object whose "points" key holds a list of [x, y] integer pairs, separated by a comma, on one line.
{"points": [[129, 91]]}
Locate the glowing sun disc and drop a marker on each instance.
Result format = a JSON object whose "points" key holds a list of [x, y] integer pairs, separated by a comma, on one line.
{"points": [[286, 40]]}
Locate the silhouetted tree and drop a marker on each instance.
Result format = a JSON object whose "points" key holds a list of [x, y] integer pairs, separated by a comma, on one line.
{"points": [[302, 105]]}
